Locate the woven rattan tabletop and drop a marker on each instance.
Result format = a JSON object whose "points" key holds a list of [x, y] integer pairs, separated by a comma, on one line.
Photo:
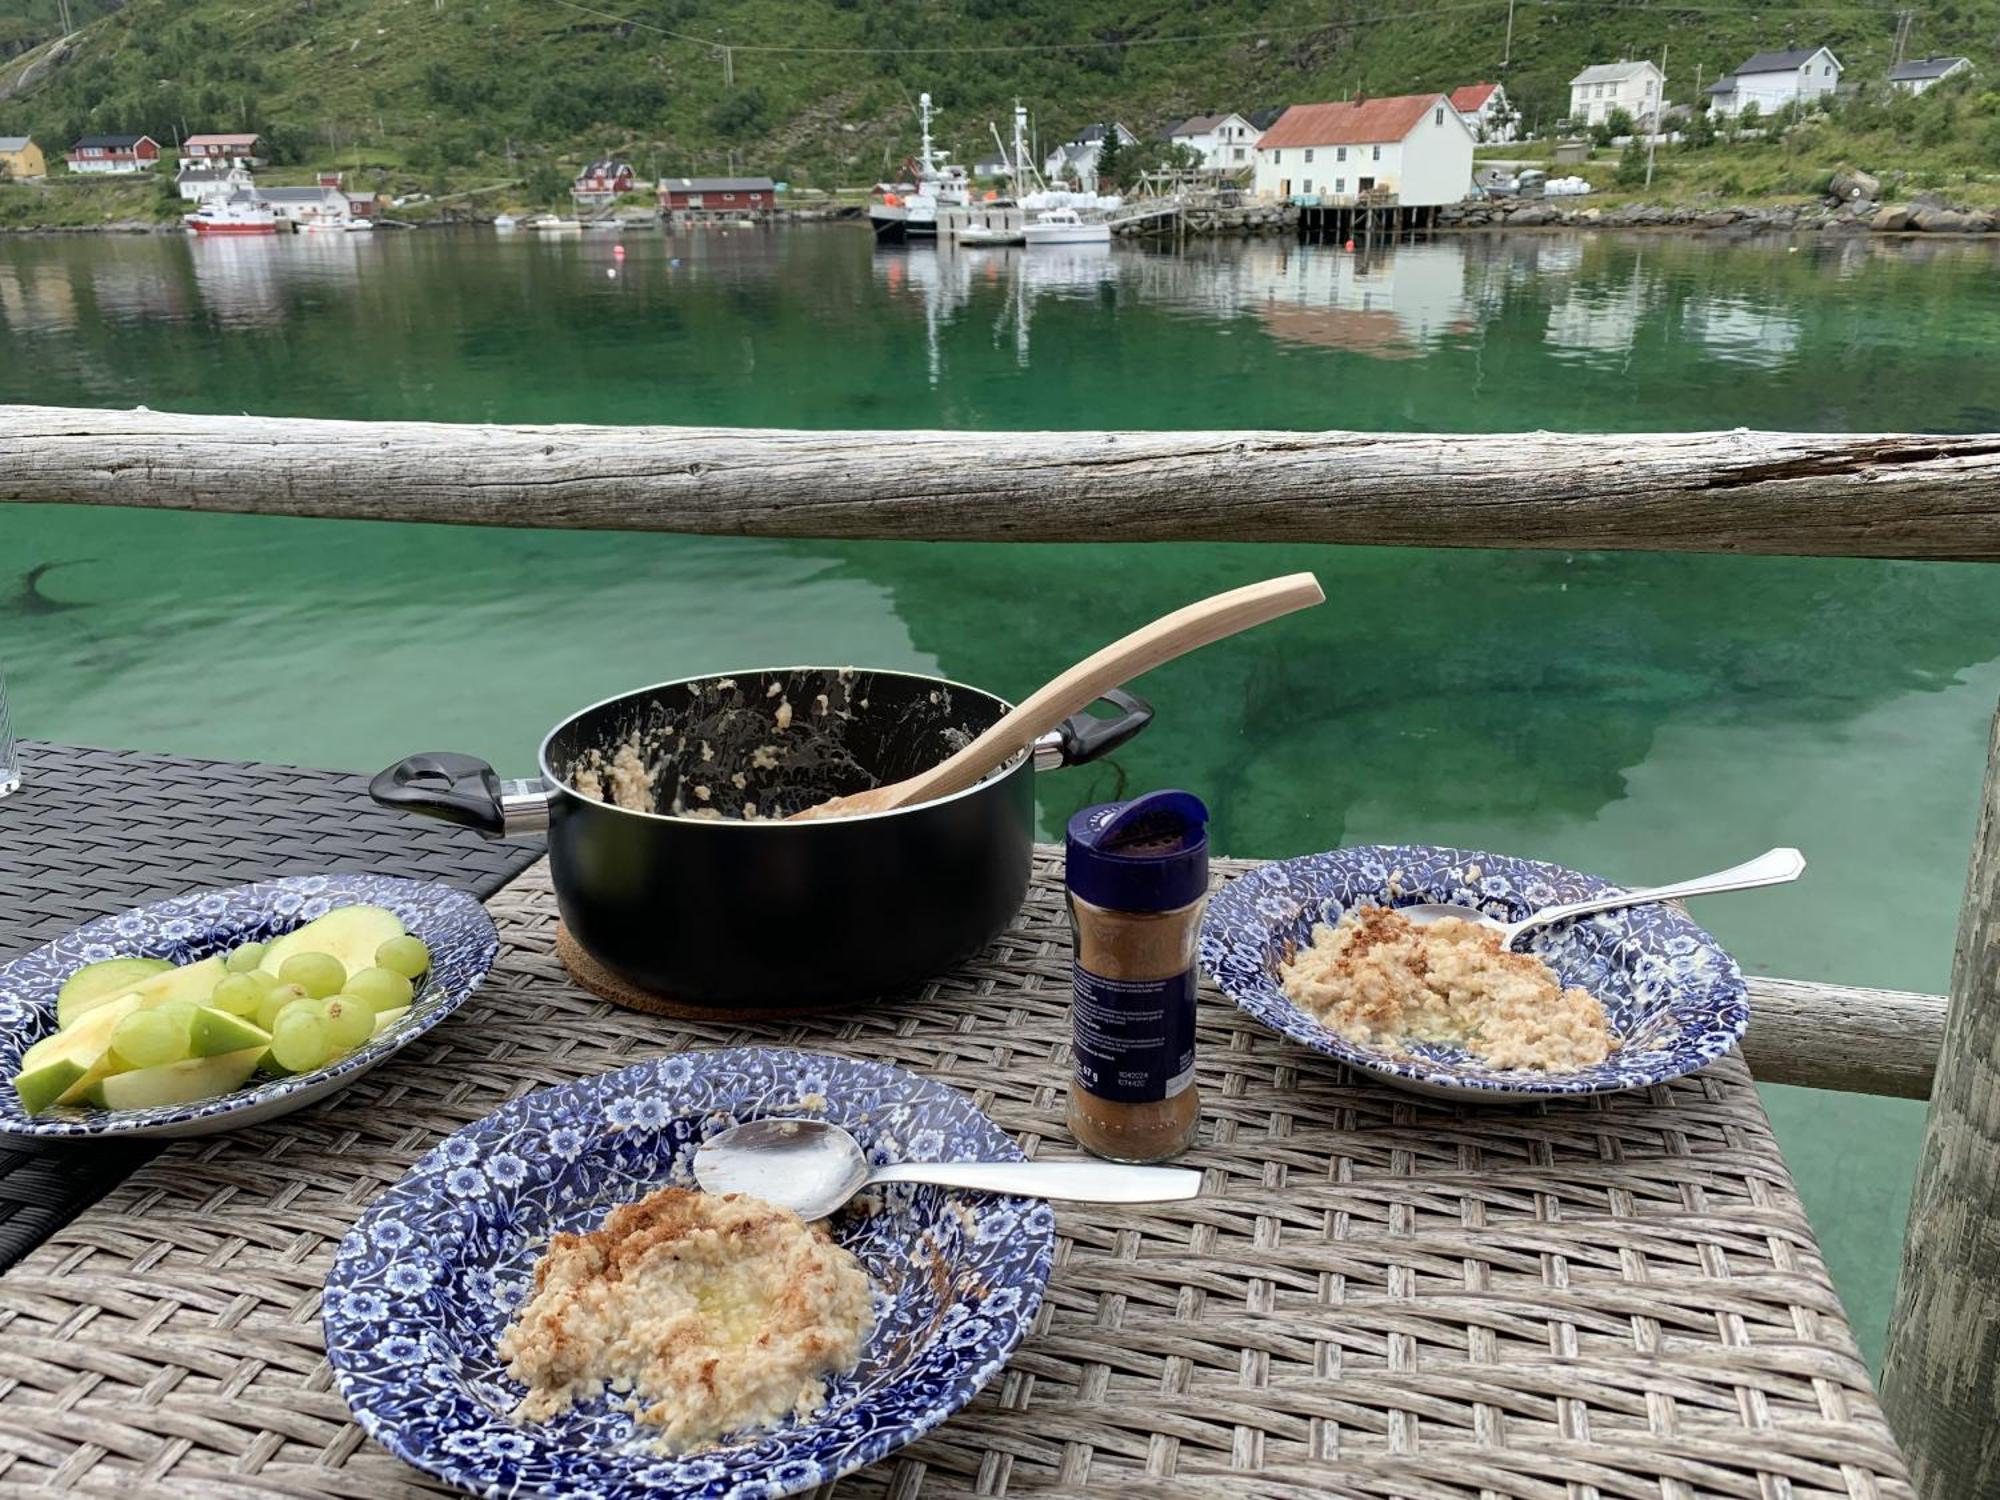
{"points": [[93, 831], [1376, 1295]]}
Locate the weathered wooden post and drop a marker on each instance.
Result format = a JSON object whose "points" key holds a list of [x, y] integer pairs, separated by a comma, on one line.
{"points": [[1941, 1381]]}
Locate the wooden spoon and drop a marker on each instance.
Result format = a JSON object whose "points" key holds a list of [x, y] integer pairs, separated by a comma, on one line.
{"points": [[1167, 637]]}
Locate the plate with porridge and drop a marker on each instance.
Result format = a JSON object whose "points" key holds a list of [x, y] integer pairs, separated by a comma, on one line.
{"points": [[1314, 948], [546, 1303]]}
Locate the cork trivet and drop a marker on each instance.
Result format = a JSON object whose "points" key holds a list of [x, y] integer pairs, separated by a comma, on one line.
{"points": [[600, 981]]}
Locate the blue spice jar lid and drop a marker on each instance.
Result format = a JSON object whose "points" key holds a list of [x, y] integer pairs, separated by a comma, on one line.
{"points": [[1150, 854]]}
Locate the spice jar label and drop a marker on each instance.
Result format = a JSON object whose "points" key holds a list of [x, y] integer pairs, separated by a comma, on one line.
{"points": [[1134, 1037]]}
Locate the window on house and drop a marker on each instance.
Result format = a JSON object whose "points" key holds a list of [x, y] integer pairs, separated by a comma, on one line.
{"points": [[1437, 116], [1309, 153], [1239, 153], [1306, 186], [1340, 153], [1276, 157], [1378, 152], [1340, 184]]}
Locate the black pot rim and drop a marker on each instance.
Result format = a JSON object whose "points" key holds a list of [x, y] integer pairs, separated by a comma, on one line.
{"points": [[551, 779]]}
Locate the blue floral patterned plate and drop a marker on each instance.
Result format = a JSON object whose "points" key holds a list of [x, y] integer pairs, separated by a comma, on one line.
{"points": [[1675, 1000], [432, 1273], [186, 928]]}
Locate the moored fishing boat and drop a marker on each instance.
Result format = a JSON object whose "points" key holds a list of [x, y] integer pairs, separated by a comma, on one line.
{"points": [[241, 213], [909, 210]]}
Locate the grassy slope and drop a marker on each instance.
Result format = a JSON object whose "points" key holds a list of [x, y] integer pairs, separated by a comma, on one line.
{"points": [[432, 84]]}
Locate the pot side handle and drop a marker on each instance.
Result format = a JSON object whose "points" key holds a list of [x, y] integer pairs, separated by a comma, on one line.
{"points": [[465, 790], [1083, 737]]}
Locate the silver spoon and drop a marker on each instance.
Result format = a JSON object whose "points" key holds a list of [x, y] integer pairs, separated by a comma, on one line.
{"points": [[813, 1167], [1772, 868]]}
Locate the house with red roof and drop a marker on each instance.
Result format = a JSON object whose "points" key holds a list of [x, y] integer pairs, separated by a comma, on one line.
{"points": [[1486, 112], [1413, 149]]}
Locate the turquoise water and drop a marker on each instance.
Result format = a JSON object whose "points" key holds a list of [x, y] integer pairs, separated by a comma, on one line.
{"points": [[1643, 716]]}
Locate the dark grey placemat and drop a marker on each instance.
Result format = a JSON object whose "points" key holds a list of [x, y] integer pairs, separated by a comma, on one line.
{"points": [[92, 832]]}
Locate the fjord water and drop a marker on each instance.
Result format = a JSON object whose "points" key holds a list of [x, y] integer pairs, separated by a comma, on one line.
{"points": [[1647, 717]]}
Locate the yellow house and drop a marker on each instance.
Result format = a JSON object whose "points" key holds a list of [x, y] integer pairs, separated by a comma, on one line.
{"points": [[21, 157]]}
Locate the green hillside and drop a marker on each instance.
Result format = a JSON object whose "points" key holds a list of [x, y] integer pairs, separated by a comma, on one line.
{"points": [[440, 85]]}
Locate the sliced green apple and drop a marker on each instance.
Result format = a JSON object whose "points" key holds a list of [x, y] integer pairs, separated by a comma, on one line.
{"points": [[87, 1043], [94, 984], [350, 934], [186, 1082], [213, 1033], [384, 1019], [41, 1086]]}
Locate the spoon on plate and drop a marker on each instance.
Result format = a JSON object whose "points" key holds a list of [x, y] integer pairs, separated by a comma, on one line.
{"points": [[1774, 867], [813, 1167]]}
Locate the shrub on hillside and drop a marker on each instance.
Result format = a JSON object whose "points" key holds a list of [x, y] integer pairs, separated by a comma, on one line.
{"points": [[1632, 164], [1618, 122]]}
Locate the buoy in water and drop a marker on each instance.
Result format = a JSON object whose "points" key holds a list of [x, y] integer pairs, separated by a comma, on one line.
{"points": [[612, 272], [617, 252]]}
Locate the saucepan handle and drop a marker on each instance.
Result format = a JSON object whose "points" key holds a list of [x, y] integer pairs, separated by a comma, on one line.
{"points": [[1084, 737], [463, 789]]}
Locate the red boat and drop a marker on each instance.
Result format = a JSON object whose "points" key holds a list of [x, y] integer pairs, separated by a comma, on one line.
{"points": [[240, 215]]}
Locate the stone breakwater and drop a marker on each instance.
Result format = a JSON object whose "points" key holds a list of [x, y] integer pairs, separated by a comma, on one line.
{"points": [[1922, 216]]}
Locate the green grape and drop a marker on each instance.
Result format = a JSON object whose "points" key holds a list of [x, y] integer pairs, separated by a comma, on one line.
{"points": [[349, 1020], [383, 989], [241, 994], [278, 997], [318, 974], [245, 958], [299, 1041], [404, 955], [303, 1005], [146, 1038], [179, 1013]]}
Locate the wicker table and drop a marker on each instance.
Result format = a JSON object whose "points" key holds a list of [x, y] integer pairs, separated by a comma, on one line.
{"points": [[97, 831], [1376, 1296]]}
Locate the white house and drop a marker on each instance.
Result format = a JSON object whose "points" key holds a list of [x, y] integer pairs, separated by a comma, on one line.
{"points": [[1486, 112], [1078, 158], [1771, 80], [1638, 88], [1414, 146], [203, 181], [1227, 143], [1923, 73]]}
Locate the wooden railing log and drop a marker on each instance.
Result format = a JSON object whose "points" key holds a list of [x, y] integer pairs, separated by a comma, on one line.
{"points": [[1941, 1376], [1802, 494], [1830, 1036]]}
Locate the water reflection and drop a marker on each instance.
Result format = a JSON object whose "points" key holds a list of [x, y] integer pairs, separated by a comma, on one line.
{"points": [[819, 327]]}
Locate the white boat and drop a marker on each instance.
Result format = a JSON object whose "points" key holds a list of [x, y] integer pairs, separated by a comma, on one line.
{"points": [[505, 222], [363, 226], [978, 236], [1065, 226], [550, 224], [909, 210]]}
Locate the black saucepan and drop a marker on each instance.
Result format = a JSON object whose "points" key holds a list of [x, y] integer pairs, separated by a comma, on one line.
{"points": [[673, 867]]}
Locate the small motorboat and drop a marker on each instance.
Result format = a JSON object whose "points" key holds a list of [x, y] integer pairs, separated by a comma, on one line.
{"points": [[978, 236], [505, 222], [1065, 226]]}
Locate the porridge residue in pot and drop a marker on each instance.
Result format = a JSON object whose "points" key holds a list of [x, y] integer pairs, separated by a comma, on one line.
{"points": [[1382, 981], [715, 1314]]}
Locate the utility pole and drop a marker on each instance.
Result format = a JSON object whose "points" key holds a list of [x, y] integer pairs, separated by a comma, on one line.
{"points": [[1659, 117], [1507, 53], [729, 67]]}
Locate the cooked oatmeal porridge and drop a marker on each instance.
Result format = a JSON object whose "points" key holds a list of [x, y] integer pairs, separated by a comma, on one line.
{"points": [[716, 1314], [1379, 980]]}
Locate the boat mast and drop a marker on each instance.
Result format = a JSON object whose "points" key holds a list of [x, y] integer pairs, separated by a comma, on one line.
{"points": [[924, 115], [1020, 145]]}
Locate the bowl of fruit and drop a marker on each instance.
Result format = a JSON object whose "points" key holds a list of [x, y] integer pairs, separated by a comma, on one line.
{"points": [[225, 1008]]}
